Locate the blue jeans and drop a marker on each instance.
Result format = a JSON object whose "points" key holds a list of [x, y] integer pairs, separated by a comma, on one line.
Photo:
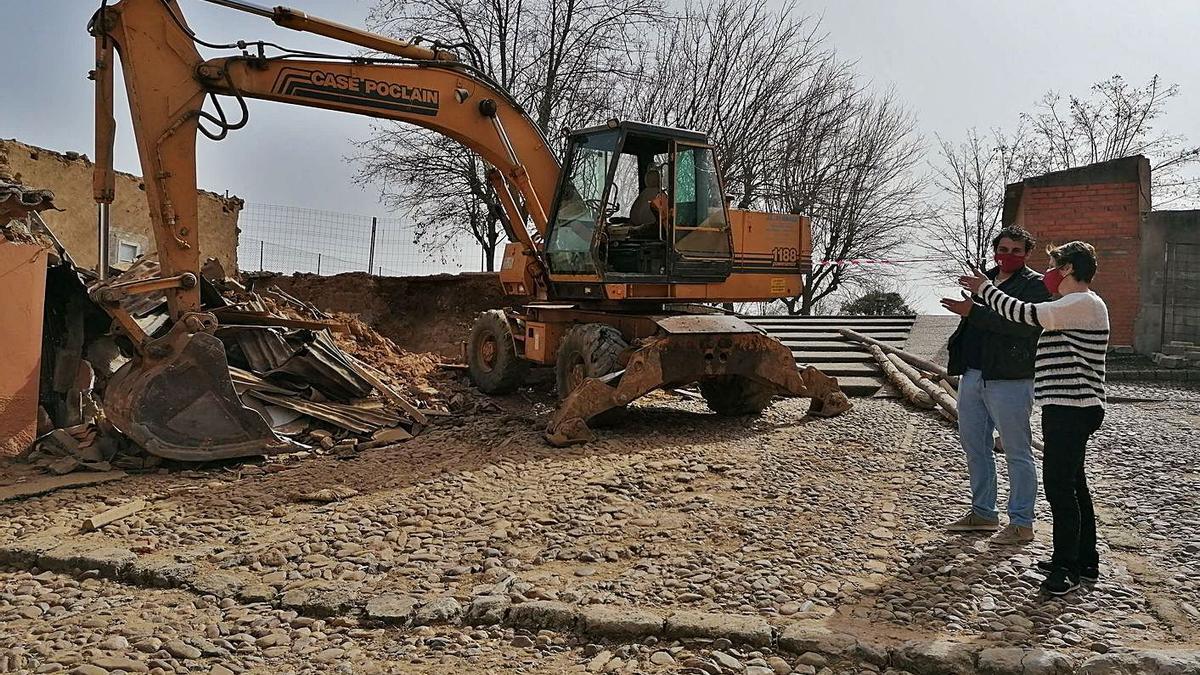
{"points": [[1005, 406]]}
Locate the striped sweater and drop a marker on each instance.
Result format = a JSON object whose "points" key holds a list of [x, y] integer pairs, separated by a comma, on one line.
{"points": [[1070, 356]]}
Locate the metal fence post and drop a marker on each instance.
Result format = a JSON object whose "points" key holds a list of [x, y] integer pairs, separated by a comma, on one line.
{"points": [[318, 264], [260, 254], [371, 257]]}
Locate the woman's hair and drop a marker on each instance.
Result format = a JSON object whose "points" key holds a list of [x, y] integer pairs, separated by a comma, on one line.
{"points": [[1080, 254]]}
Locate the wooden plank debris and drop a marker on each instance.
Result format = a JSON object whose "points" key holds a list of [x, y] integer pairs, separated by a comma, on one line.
{"points": [[112, 515], [371, 375], [52, 483]]}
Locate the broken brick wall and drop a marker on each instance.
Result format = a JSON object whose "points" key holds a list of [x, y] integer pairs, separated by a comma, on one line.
{"points": [[1106, 204], [69, 176], [23, 270]]}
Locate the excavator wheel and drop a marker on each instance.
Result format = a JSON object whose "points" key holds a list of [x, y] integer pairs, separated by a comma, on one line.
{"points": [[492, 357], [587, 350], [733, 395]]}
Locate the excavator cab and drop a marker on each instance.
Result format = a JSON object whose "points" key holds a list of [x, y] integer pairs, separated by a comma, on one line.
{"points": [[639, 203]]}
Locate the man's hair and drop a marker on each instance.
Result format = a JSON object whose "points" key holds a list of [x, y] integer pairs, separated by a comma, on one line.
{"points": [[1016, 233], [1080, 254]]}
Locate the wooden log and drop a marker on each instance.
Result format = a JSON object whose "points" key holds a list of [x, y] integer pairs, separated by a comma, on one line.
{"points": [[912, 359], [948, 387], [909, 389], [112, 515], [935, 392]]}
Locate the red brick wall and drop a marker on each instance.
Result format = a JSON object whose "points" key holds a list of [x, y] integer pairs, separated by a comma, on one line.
{"points": [[1106, 215]]}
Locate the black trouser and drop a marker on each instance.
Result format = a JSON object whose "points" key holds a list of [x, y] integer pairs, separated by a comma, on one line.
{"points": [[1066, 430]]}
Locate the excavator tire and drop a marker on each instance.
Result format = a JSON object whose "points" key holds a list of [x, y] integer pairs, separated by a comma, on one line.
{"points": [[492, 358], [587, 350], [733, 395]]}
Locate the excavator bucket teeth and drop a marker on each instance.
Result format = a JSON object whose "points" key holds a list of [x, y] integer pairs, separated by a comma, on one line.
{"points": [[183, 406], [679, 359]]}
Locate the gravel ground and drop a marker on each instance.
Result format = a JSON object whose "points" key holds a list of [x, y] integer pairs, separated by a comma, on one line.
{"points": [[673, 508]]}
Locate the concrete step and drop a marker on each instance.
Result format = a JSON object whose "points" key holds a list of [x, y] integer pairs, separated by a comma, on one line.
{"points": [[859, 386], [843, 368], [832, 357], [832, 345], [806, 335], [839, 320]]}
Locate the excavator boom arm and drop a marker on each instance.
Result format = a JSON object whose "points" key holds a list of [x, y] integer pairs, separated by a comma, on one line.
{"points": [[168, 81]]}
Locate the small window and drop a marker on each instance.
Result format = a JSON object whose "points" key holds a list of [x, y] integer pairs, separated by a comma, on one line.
{"points": [[127, 252]]}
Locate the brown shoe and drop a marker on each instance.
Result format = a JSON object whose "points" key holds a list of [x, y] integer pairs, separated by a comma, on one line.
{"points": [[1013, 535], [973, 522]]}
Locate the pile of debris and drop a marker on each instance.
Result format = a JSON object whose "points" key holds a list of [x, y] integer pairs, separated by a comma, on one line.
{"points": [[307, 374]]}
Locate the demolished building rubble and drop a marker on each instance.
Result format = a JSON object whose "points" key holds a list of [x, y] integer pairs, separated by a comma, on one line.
{"points": [[289, 362]]}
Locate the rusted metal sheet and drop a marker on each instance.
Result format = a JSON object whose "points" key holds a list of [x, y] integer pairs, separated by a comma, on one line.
{"points": [[303, 357], [263, 349], [356, 418], [322, 365]]}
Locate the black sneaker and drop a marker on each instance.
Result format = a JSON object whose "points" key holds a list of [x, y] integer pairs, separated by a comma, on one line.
{"points": [[1060, 582], [1088, 573]]}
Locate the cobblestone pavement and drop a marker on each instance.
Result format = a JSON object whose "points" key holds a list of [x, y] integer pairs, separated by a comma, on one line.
{"points": [[791, 519]]}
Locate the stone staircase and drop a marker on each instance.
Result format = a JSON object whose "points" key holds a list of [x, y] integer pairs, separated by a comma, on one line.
{"points": [[815, 341]]}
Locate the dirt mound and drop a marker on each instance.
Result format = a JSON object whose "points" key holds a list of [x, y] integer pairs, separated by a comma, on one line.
{"points": [[419, 314]]}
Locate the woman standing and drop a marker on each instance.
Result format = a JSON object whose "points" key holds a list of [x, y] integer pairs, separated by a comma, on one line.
{"points": [[1069, 385]]}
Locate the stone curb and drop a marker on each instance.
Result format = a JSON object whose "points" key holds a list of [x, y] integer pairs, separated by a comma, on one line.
{"points": [[1154, 375], [602, 622]]}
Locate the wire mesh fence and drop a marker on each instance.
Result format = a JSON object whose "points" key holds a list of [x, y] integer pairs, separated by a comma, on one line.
{"points": [[290, 239]]}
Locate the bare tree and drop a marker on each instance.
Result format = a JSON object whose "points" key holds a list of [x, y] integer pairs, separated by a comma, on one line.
{"points": [[731, 68], [863, 192], [1116, 120], [561, 60], [971, 178]]}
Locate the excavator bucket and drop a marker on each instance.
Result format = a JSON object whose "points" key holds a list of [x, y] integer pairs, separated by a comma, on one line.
{"points": [[712, 349], [178, 402]]}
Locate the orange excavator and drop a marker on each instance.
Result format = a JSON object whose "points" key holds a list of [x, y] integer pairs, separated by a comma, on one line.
{"points": [[617, 249]]}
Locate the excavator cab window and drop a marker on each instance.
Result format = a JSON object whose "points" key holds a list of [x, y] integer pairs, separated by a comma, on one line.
{"points": [[635, 237], [701, 227], [580, 210]]}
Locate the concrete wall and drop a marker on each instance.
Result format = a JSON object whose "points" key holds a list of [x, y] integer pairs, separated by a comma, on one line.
{"points": [[23, 271], [69, 176], [1106, 204], [1163, 228]]}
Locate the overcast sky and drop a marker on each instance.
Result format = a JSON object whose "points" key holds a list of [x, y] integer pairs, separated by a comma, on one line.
{"points": [[956, 64]]}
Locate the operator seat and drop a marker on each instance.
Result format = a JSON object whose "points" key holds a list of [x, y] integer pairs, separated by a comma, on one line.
{"points": [[641, 212]]}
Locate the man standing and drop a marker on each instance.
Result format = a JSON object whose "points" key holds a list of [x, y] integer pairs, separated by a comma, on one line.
{"points": [[995, 358]]}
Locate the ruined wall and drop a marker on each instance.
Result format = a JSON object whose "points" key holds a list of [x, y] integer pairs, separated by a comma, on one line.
{"points": [[23, 270], [69, 176], [1167, 279], [420, 314], [1106, 204]]}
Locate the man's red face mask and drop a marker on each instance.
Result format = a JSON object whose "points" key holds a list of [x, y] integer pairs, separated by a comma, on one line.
{"points": [[1010, 262]]}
